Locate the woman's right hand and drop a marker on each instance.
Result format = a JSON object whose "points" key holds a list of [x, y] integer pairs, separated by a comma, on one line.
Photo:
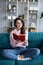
{"points": [[18, 41]]}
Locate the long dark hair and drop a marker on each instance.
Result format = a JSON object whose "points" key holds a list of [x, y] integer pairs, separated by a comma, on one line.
{"points": [[23, 25]]}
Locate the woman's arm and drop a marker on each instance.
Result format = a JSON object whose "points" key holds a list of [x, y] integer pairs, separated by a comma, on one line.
{"points": [[13, 42]]}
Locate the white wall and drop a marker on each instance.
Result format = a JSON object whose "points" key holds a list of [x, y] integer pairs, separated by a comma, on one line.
{"points": [[3, 22], [2, 16], [40, 27]]}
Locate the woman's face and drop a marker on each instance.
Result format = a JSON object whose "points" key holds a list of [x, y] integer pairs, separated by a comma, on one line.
{"points": [[19, 24]]}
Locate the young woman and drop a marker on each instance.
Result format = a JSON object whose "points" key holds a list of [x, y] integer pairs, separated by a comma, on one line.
{"points": [[19, 50]]}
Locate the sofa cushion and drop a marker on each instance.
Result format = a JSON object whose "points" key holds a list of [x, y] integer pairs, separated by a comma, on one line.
{"points": [[35, 61], [42, 49], [7, 62], [35, 39], [1, 57], [4, 40]]}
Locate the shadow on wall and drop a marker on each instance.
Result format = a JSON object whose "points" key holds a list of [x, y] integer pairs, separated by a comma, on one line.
{"points": [[41, 25]]}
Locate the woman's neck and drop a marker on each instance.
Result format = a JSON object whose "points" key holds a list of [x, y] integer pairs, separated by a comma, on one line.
{"points": [[18, 29]]}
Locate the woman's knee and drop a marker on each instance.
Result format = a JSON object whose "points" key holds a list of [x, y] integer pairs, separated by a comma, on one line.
{"points": [[34, 51], [9, 54], [5, 52], [38, 51]]}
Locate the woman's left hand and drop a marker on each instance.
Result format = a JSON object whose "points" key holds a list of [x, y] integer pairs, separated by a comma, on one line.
{"points": [[25, 42]]}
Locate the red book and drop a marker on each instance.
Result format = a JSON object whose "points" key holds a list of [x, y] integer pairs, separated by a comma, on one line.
{"points": [[20, 37]]}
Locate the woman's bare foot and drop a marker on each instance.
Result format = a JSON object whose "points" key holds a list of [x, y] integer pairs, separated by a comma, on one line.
{"points": [[21, 57], [27, 58]]}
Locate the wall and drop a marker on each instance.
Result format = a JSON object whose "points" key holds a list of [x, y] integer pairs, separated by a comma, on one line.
{"points": [[40, 28], [2, 16], [4, 24]]}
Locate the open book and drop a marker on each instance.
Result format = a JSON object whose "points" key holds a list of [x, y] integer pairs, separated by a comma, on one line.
{"points": [[20, 37]]}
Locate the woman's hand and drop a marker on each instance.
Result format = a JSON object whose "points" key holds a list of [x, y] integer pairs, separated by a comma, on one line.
{"points": [[18, 41], [26, 42]]}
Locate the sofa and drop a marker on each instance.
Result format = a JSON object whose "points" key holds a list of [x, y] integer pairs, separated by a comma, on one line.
{"points": [[35, 40]]}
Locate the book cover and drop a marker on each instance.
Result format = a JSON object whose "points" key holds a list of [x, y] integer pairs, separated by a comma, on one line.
{"points": [[20, 37]]}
